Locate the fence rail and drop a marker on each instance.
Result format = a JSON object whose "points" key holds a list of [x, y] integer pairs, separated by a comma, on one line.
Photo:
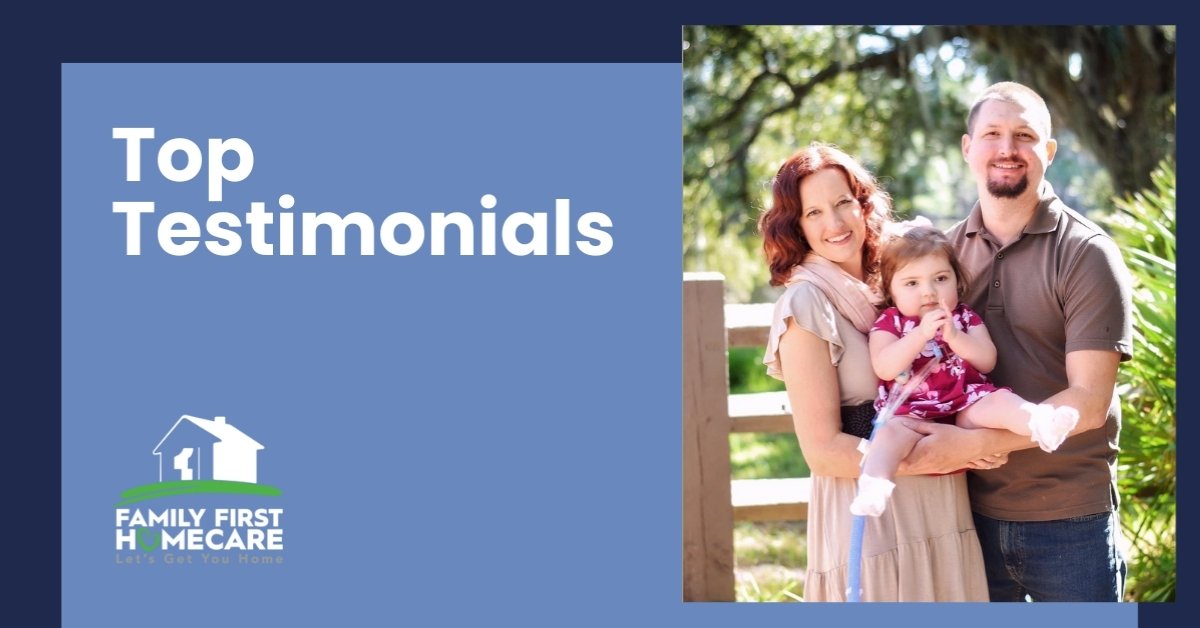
{"points": [[711, 500]]}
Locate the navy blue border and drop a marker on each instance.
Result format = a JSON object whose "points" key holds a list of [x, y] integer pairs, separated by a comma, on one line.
{"points": [[31, 461], [48, 35]]}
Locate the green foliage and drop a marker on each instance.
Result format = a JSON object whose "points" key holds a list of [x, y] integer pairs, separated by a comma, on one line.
{"points": [[753, 96], [1144, 227], [754, 456], [747, 373], [896, 97]]}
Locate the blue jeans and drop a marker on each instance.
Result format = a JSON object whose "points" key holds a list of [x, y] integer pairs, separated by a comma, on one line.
{"points": [[1068, 560]]}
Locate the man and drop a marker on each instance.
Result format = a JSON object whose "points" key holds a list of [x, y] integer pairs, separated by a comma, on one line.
{"points": [[1055, 295]]}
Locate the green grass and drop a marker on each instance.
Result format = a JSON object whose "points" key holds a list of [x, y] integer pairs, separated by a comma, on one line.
{"points": [[769, 561], [769, 557], [189, 487]]}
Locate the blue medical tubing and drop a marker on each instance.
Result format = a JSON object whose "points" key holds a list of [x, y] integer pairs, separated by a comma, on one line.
{"points": [[900, 393]]}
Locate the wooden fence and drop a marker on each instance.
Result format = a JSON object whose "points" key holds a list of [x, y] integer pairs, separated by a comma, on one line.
{"points": [[711, 500]]}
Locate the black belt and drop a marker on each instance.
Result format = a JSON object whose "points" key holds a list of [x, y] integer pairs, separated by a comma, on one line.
{"points": [[856, 420]]}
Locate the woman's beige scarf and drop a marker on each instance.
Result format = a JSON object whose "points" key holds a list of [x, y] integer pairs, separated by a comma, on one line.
{"points": [[853, 298]]}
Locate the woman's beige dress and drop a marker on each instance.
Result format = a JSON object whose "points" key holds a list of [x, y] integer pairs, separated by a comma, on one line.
{"points": [[923, 548]]}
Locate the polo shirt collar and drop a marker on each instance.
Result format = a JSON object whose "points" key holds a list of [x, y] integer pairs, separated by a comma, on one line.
{"points": [[1045, 217]]}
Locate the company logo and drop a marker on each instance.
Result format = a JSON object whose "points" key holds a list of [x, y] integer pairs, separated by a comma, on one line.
{"points": [[201, 456]]}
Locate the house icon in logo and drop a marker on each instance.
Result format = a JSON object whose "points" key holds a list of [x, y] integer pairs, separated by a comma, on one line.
{"points": [[203, 449]]}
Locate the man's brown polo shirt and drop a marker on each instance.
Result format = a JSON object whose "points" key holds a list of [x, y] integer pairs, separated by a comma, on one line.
{"points": [[1060, 287]]}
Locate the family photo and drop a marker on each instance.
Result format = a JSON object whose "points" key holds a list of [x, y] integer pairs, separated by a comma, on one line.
{"points": [[929, 314]]}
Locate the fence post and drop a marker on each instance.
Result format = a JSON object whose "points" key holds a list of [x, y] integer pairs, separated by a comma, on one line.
{"points": [[707, 507]]}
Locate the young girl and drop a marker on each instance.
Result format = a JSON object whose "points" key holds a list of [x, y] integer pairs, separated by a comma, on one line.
{"points": [[923, 283]]}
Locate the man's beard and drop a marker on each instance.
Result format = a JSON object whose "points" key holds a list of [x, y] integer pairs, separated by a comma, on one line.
{"points": [[1008, 190]]}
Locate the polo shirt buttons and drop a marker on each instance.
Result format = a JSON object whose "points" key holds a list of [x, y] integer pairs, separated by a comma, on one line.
{"points": [[996, 284], [999, 256]]}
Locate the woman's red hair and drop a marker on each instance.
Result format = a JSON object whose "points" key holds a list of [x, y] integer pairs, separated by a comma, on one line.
{"points": [[783, 241]]}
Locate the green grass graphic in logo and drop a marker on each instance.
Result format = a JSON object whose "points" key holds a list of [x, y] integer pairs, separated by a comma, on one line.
{"points": [[192, 487]]}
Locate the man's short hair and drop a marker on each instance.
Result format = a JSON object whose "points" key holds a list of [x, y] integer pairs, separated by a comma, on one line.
{"points": [[1014, 93]]}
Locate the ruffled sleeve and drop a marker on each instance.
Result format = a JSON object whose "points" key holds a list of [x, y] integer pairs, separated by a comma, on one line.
{"points": [[889, 321], [810, 310]]}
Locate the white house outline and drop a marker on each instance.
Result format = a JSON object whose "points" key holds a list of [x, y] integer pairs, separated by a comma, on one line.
{"points": [[233, 457]]}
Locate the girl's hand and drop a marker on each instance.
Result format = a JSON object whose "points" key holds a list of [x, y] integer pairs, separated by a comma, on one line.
{"points": [[950, 331], [932, 321]]}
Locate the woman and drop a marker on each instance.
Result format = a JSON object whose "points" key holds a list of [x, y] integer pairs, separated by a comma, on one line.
{"points": [[821, 239]]}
